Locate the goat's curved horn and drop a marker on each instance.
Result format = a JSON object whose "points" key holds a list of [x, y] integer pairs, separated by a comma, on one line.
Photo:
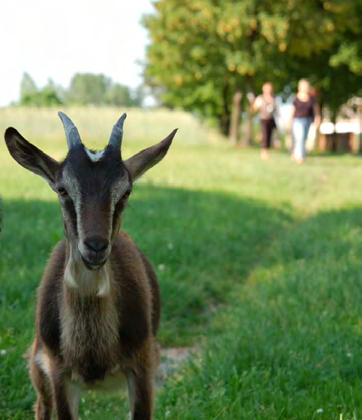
{"points": [[71, 131], [117, 133]]}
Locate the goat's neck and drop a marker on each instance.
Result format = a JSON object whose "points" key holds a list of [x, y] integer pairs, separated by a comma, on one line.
{"points": [[85, 282]]}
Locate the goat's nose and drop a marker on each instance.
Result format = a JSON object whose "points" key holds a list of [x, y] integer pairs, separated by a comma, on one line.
{"points": [[97, 244]]}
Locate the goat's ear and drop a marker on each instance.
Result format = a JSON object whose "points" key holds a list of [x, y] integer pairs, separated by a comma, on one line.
{"points": [[30, 157], [138, 164]]}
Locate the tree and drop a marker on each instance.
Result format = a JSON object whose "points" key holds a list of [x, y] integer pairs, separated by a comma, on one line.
{"points": [[138, 96], [50, 94], [98, 89], [30, 95], [205, 53], [332, 60], [87, 88], [118, 95], [208, 52], [84, 89], [28, 89]]}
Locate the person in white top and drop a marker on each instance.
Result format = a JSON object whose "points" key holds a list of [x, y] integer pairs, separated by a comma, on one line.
{"points": [[265, 104]]}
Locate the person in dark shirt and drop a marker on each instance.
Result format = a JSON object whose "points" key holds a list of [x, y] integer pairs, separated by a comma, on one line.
{"points": [[265, 104], [305, 110]]}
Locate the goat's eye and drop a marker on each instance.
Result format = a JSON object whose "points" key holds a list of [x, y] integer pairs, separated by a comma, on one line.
{"points": [[62, 192]]}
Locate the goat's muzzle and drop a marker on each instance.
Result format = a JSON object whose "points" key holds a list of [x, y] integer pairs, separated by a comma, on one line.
{"points": [[95, 251]]}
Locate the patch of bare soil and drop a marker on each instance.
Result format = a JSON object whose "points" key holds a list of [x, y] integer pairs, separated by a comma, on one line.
{"points": [[171, 358]]}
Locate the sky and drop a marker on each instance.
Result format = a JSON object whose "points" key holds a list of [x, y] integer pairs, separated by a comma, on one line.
{"points": [[56, 39]]}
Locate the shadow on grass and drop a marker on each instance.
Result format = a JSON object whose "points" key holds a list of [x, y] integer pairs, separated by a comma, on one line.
{"points": [[201, 244], [293, 337]]}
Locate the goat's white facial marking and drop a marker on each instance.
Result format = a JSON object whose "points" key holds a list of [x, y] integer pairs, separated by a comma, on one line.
{"points": [[94, 156], [94, 187]]}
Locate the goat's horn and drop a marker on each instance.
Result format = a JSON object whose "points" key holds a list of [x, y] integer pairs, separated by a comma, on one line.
{"points": [[117, 133], [71, 131]]}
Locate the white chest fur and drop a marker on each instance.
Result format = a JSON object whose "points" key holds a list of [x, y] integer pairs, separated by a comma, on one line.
{"points": [[90, 325], [88, 282]]}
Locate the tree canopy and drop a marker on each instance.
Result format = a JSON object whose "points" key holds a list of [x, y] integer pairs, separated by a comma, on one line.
{"points": [[203, 51], [98, 89], [31, 95], [87, 88]]}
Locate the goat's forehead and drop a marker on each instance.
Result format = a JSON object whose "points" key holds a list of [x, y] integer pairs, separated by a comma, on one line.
{"points": [[83, 167]]}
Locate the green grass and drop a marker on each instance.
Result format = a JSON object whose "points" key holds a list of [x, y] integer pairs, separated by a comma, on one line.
{"points": [[259, 264], [290, 343]]}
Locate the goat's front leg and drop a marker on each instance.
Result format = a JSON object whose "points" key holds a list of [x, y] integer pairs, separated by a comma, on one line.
{"points": [[140, 393], [65, 401], [44, 403]]}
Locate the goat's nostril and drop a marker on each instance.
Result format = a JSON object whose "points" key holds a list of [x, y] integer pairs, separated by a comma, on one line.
{"points": [[97, 244]]}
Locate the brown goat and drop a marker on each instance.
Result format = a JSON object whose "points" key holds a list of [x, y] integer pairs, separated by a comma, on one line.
{"points": [[98, 304]]}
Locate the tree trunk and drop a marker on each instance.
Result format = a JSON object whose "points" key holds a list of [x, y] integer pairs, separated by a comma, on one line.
{"points": [[224, 124], [334, 136], [248, 127], [359, 113], [224, 121], [320, 139], [235, 117]]}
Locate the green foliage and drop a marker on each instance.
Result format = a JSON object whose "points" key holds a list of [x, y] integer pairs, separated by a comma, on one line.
{"points": [[336, 83], [84, 89], [97, 89], [28, 88], [30, 95], [349, 54], [201, 51], [334, 63], [87, 88], [118, 95]]}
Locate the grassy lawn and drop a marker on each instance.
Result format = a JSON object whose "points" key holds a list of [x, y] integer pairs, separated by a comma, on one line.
{"points": [[259, 265]]}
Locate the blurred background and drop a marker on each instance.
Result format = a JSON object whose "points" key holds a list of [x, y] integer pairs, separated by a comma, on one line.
{"points": [[205, 57], [258, 261]]}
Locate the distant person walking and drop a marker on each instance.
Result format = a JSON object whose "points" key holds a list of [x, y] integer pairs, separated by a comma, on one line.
{"points": [[305, 110], [265, 104]]}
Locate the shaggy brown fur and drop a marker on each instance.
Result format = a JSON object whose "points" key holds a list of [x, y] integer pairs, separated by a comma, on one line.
{"points": [[98, 304], [86, 340]]}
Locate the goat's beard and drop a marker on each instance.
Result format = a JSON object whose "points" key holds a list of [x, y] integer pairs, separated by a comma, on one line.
{"points": [[87, 281]]}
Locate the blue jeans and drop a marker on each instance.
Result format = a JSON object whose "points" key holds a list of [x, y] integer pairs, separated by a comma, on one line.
{"points": [[300, 130]]}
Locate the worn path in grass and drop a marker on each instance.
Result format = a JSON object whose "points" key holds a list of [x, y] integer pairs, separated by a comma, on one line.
{"points": [[288, 344], [273, 247]]}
